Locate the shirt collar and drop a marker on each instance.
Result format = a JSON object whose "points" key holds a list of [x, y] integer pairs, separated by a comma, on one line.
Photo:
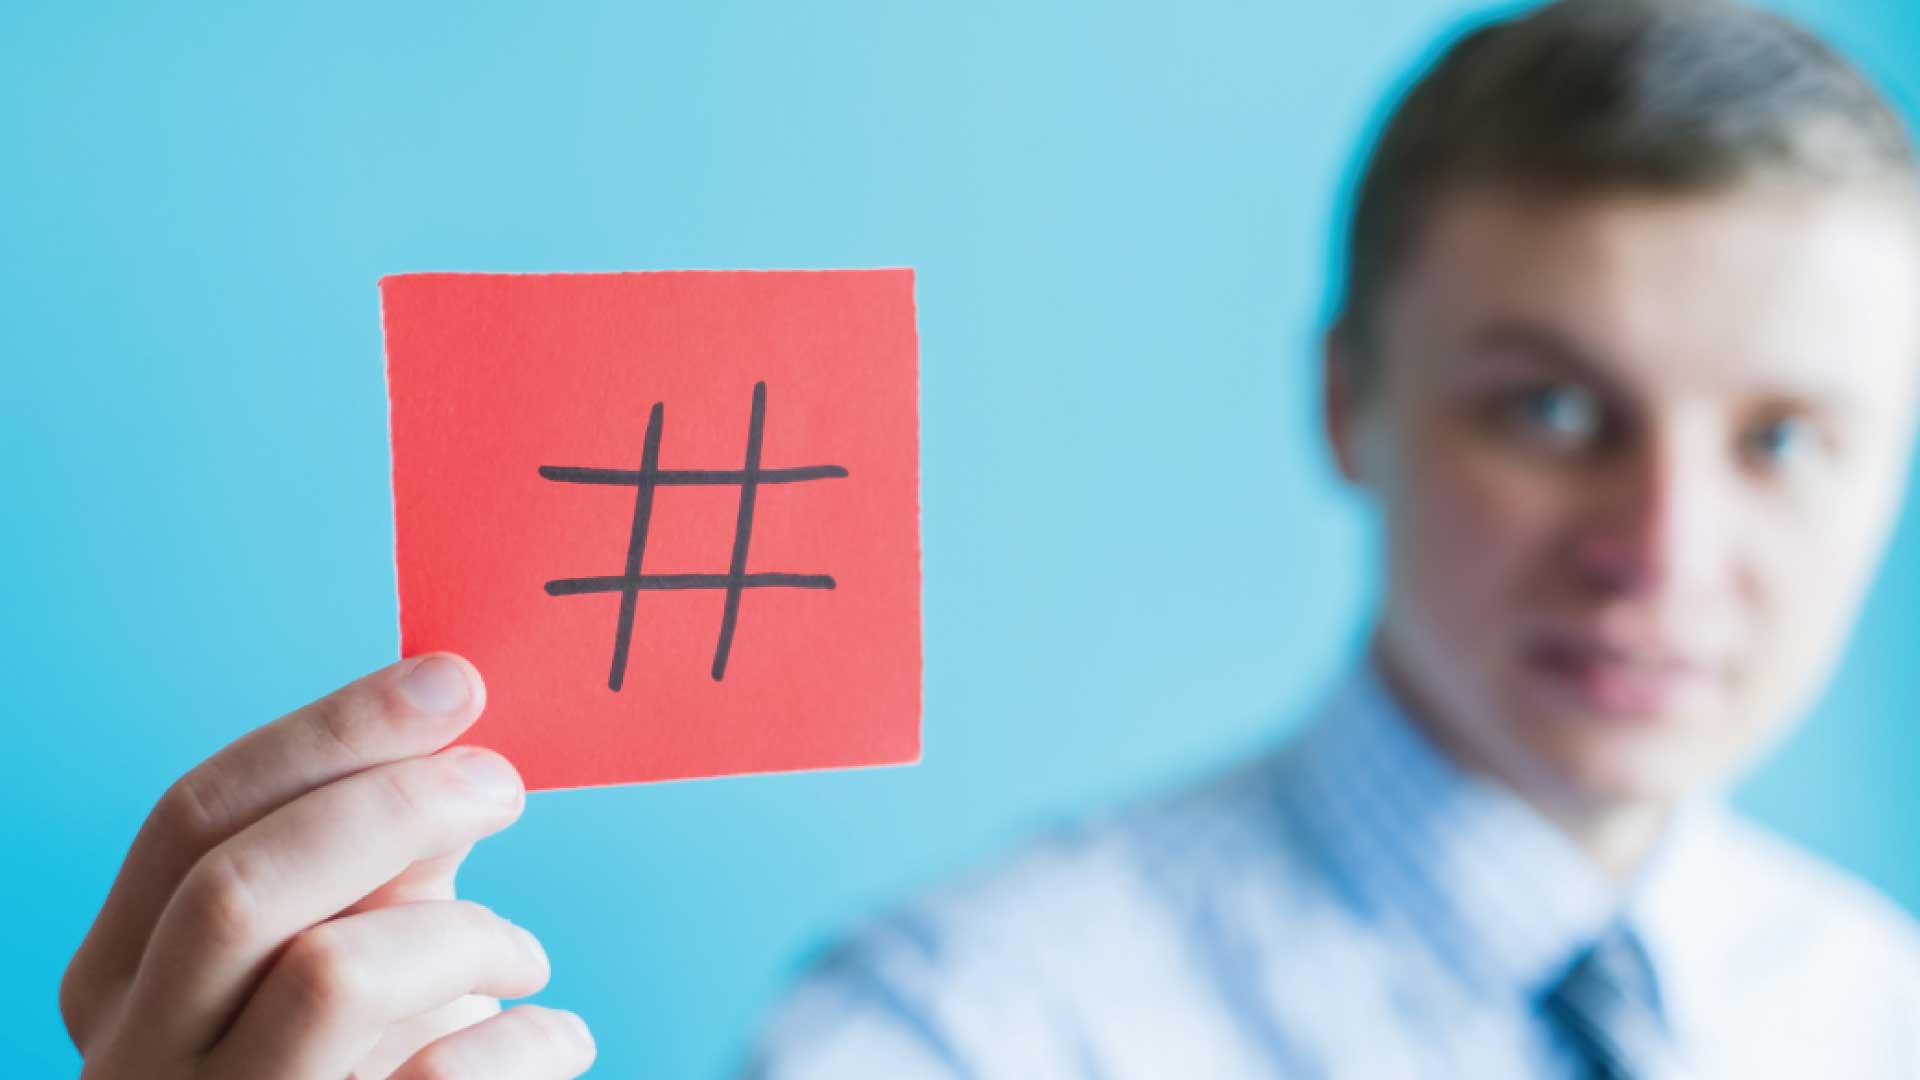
{"points": [[1501, 893], [1678, 904]]}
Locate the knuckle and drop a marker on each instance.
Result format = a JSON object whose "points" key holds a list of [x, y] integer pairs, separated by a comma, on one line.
{"points": [[195, 811], [438, 1063], [339, 719], [77, 1005], [432, 1065], [224, 894], [407, 792], [326, 975]]}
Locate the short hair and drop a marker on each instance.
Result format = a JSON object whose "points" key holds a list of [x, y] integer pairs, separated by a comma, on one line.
{"points": [[1591, 96]]}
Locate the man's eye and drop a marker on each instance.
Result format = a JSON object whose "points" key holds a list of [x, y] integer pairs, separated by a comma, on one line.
{"points": [[1561, 412], [1783, 441]]}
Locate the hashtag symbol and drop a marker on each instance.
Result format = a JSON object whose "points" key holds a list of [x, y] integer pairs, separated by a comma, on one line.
{"points": [[650, 477]]}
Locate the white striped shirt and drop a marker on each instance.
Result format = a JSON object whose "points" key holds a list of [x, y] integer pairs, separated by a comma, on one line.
{"points": [[1353, 904]]}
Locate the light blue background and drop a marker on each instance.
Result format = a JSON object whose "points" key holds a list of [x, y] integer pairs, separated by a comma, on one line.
{"points": [[1122, 220]]}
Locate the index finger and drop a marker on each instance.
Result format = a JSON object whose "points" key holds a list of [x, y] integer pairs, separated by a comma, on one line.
{"points": [[411, 707]]}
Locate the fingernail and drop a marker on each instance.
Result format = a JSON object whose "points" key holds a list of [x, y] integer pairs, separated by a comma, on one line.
{"points": [[530, 943], [436, 685], [579, 1026], [489, 773]]}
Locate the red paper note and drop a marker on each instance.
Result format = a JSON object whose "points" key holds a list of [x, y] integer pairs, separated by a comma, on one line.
{"points": [[673, 517]]}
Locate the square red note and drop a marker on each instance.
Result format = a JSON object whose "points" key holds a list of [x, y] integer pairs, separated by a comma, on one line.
{"points": [[673, 517]]}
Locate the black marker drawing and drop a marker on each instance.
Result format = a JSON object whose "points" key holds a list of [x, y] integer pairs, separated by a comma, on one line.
{"points": [[649, 477]]}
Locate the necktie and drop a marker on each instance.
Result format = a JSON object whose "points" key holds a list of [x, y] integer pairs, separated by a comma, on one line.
{"points": [[1607, 1002]]}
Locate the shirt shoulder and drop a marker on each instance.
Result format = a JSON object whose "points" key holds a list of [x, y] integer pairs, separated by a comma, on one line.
{"points": [[1043, 960], [1805, 902], [1818, 959]]}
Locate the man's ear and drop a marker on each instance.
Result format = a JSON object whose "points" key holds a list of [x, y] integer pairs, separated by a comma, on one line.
{"points": [[1340, 404]]}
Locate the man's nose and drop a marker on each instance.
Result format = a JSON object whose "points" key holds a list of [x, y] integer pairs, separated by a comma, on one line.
{"points": [[1658, 521]]}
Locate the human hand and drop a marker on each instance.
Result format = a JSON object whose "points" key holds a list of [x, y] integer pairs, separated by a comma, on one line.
{"points": [[287, 910]]}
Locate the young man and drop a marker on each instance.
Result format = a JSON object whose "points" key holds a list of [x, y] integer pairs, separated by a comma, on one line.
{"points": [[1629, 357]]}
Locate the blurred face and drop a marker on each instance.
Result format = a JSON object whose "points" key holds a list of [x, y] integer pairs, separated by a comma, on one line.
{"points": [[1638, 457]]}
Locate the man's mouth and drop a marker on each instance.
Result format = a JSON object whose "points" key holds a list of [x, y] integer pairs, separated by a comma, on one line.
{"points": [[1632, 682]]}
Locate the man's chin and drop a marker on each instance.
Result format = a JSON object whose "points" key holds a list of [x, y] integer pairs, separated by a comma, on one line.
{"points": [[1603, 768]]}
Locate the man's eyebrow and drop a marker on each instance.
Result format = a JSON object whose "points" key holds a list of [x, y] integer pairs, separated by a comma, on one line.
{"points": [[1539, 341]]}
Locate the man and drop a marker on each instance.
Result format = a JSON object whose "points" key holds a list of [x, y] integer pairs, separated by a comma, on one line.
{"points": [[1629, 356]]}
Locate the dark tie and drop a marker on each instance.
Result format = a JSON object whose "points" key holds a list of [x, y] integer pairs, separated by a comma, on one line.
{"points": [[1607, 1003]]}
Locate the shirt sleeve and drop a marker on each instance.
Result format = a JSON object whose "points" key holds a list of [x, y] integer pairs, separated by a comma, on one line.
{"points": [[853, 1015], [987, 976]]}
